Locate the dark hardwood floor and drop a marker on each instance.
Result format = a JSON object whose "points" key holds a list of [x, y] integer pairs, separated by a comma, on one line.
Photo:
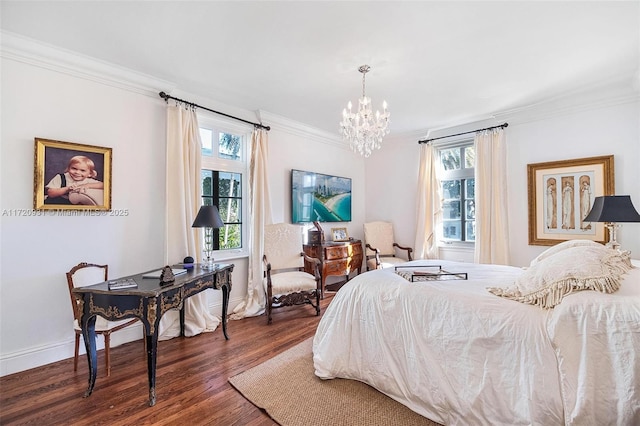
{"points": [[191, 379]]}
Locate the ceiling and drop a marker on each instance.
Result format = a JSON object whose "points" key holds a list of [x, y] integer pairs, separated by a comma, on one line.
{"points": [[435, 63]]}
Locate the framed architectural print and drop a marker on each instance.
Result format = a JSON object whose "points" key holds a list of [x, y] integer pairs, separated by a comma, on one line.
{"points": [[71, 176], [561, 194]]}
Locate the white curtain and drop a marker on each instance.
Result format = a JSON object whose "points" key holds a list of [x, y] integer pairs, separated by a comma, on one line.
{"points": [[428, 205], [492, 227], [183, 200], [260, 215]]}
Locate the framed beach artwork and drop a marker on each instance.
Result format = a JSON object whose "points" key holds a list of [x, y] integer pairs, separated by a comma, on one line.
{"points": [[71, 176], [561, 194]]}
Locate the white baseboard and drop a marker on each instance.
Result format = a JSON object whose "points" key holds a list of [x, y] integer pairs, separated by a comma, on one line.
{"points": [[46, 354]]}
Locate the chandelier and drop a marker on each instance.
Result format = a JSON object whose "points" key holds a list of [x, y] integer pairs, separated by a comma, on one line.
{"points": [[362, 129]]}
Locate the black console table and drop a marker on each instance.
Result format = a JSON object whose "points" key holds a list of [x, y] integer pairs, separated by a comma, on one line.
{"points": [[148, 302]]}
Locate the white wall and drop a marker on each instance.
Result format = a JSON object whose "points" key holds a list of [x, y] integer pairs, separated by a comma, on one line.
{"points": [[390, 191], [605, 121], [56, 95]]}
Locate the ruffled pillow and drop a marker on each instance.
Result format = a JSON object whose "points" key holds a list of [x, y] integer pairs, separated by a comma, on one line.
{"points": [[563, 246], [582, 267]]}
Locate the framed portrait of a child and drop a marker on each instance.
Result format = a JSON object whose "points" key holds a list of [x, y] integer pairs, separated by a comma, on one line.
{"points": [[71, 176]]}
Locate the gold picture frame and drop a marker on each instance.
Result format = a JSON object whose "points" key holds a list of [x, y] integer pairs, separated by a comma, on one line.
{"points": [[561, 194], [339, 234], [71, 176]]}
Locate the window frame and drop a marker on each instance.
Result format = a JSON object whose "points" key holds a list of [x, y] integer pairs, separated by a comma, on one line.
{"points": [[462, 174], [216, 164]]}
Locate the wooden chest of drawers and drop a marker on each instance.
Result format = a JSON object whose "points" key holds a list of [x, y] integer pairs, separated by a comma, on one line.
{"points": [[337, 258]]}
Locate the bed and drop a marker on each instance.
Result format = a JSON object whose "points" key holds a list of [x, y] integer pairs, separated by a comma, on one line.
{"points": [[459, 354]]}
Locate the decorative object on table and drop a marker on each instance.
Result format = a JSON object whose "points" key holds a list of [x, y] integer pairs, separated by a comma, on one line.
{"points": [[339, 234], [188, 262], [208, 218], [611, 209], [167, 276], [560, 197], [314, 237], [316, 224], [71, 176], [363, 129]]}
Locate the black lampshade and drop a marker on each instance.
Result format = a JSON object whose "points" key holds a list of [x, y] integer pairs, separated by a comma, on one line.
{"points": [[208, 217], [613, 208]]}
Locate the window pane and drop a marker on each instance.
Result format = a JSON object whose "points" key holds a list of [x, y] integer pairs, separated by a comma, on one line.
{"points": [[471, 231], [451, 229], [230, 146], [229, 210], [230, 237], [451, 189], [470, 188], [451, 210], [469, 157], [450, 158], [207, 182], [470, 209], [206, 137], [230, 184]]}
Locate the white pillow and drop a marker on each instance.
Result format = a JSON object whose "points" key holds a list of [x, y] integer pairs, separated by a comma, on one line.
{"points": [[562, 246], [582, 267]]}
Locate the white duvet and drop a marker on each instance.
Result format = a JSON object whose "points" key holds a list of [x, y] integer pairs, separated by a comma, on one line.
{"points": [[459, 355]]}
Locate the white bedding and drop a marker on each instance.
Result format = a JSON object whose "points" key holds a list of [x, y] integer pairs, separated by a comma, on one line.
{"points": [[457, 354]]}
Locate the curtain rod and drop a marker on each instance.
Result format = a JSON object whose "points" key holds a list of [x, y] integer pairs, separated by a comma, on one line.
{"points": [[166, 97], [502, 126]]}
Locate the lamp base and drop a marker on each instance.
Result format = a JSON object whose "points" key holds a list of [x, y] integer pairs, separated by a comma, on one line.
{"points": [[208, 264], [612, 244]]}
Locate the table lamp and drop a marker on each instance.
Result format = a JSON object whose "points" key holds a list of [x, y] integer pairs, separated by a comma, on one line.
{"points": [[208, 218], [611, 209]]}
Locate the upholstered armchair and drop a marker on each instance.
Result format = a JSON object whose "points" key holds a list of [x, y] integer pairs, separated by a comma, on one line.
{"points": [[285, 280], [381, 248]]}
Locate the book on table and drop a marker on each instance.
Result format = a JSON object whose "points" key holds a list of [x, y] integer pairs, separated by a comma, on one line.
{"points": [[156, 274], [122, 283]]}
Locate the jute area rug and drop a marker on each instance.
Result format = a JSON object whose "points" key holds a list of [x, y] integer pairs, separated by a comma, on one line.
{"points": [[289, 391]]}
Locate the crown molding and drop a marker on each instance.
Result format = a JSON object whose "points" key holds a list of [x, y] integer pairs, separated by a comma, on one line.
{"points": [[602, 95], [547, 110], [605, 94], [26, 50], [300, 129]]}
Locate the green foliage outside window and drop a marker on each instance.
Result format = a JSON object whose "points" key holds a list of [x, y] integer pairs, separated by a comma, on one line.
{"points": [[224, 190]]}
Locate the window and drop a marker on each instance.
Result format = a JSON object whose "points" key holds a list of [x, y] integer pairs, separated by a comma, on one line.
{"points": [[458, 192], [223, 167]]}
